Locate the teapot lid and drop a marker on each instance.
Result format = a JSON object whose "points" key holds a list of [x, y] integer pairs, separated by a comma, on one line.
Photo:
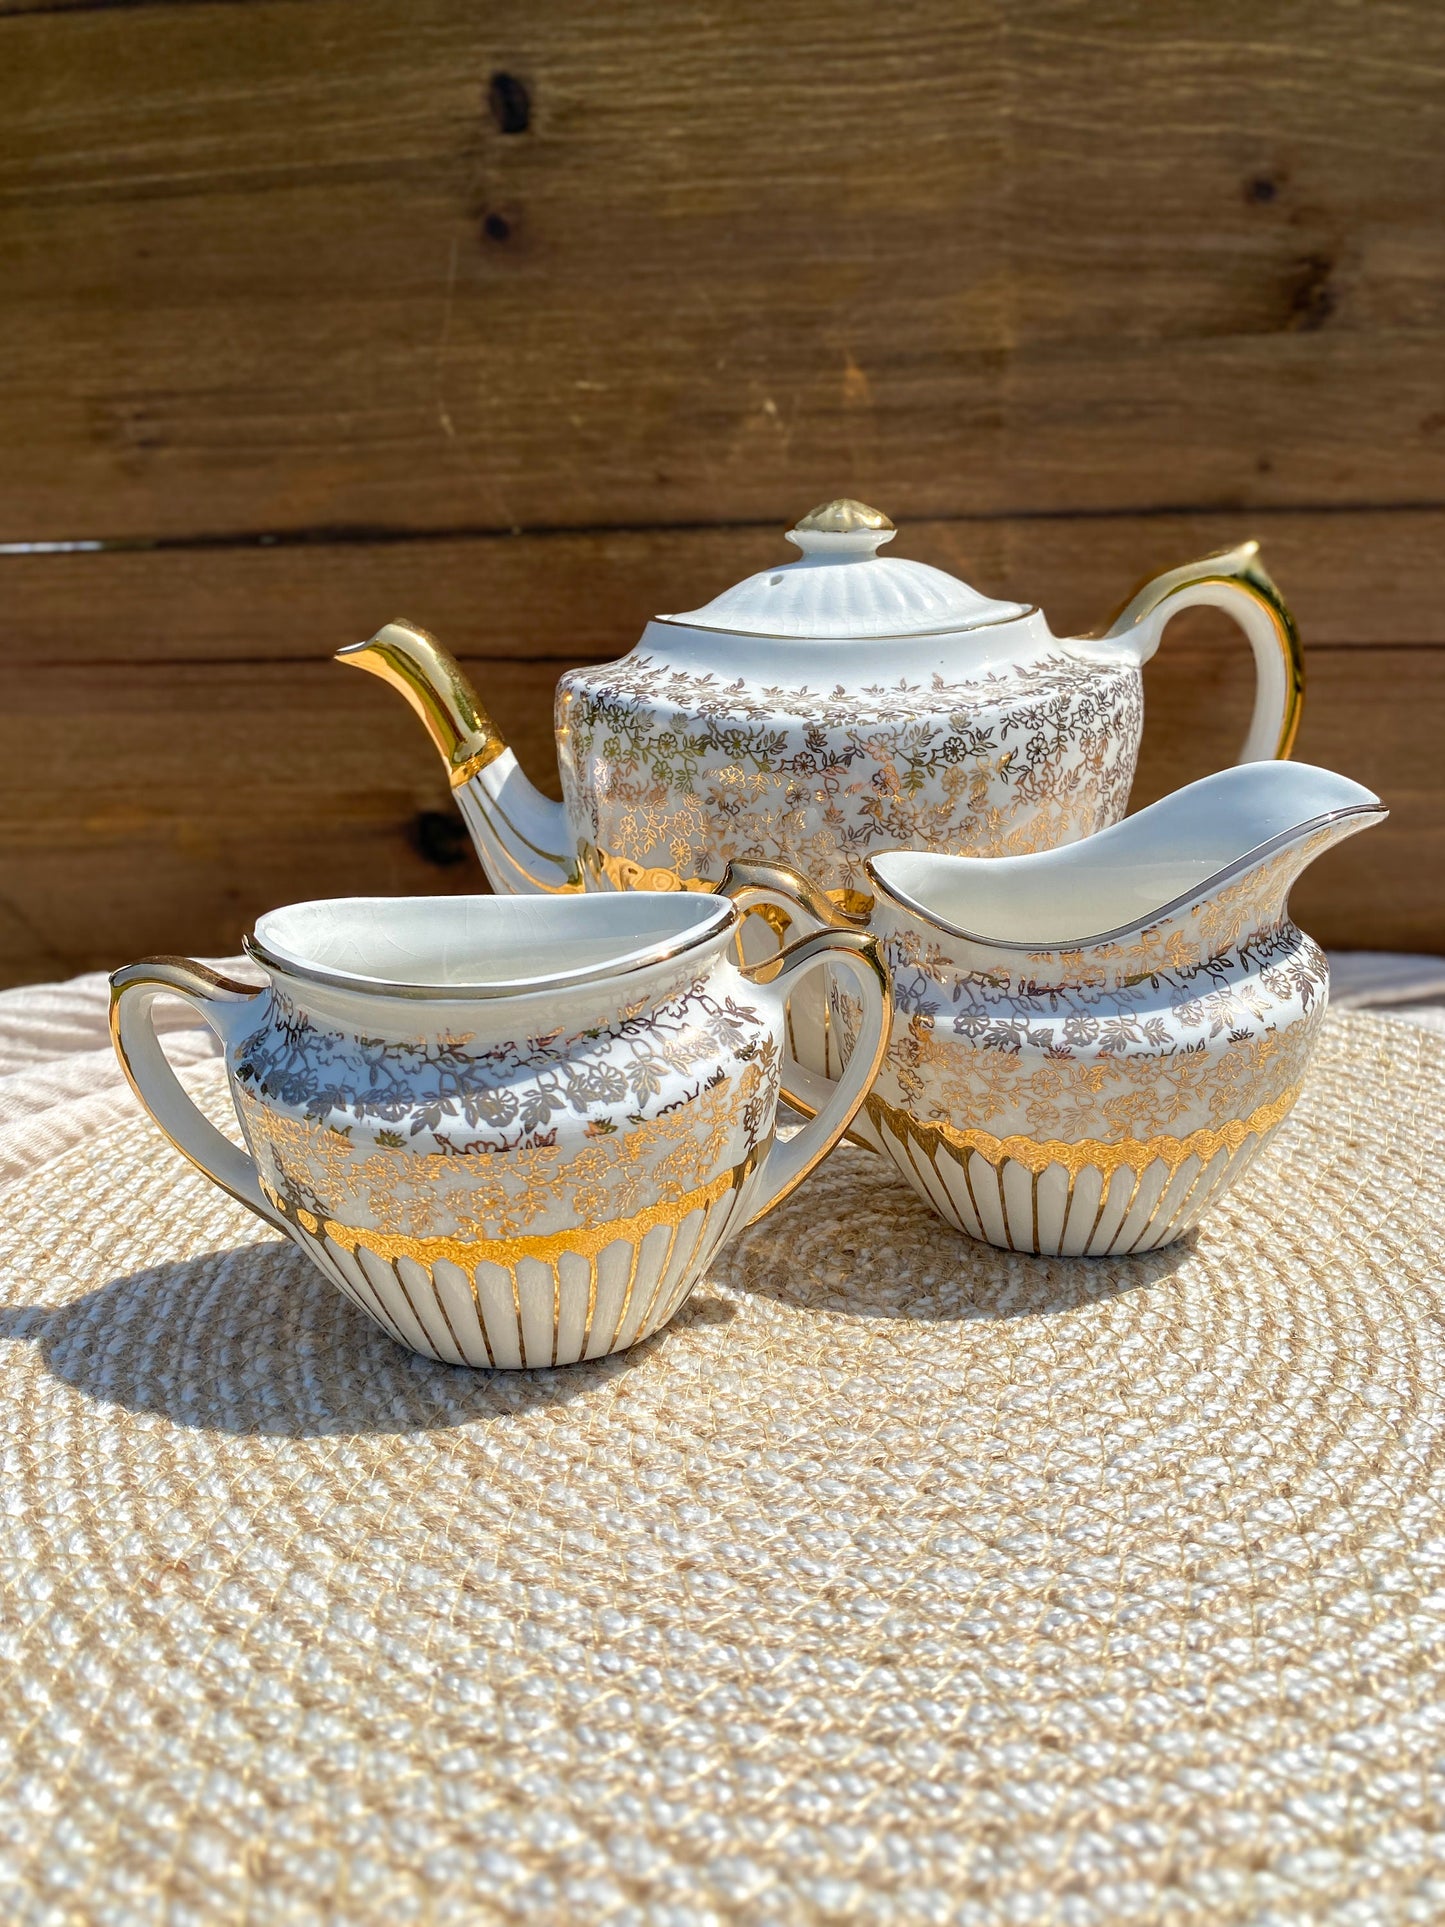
{"points": [[841, 588]]}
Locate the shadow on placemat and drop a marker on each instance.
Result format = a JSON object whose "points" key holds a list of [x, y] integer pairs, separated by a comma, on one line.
{"points": [[254, 1341], [857, 1241], [251, 1340]]}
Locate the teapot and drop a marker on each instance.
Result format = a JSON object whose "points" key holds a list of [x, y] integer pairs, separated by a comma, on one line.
{"points": [[843, 704], [1089, 1044]]}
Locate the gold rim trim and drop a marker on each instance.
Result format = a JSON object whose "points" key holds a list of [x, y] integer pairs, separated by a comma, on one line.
{"points": [[272, 963], [474, 765], [1197, 893], [1038, 1155]]}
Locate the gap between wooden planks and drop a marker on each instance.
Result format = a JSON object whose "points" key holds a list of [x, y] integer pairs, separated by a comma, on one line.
{"points": [[1352, 576]]}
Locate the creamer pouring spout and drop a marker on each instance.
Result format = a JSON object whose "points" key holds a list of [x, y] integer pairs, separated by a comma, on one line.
{"points": [[846, 702], [1194, 874]]}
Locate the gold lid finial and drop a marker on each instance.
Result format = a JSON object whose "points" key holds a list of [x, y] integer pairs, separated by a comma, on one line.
{"points": [[843, 517]]}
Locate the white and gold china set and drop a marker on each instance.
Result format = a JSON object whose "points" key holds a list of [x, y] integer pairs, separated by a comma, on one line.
{"points": [[513, 1132], [848, 702], [845, 703], [516, 1132], [1090, 1044]]}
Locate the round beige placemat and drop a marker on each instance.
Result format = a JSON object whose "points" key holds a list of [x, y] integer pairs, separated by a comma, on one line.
{"points": [[900, 1579]]}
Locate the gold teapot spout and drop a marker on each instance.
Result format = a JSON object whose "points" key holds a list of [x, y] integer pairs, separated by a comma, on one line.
{"points": [[521, 836], [413, 662]]}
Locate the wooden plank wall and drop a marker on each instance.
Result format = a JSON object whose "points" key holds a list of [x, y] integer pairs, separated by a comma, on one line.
{"points": [[527, 320]]}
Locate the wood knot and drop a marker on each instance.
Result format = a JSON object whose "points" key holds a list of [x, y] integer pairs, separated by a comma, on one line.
{"points": [[509, 103], [439, 837], [1312, 298]]}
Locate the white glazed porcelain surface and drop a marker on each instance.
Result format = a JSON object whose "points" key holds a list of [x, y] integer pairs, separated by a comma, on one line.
{"points": [[817, 598], [1090, 1044], [478, 946], [596, 1142], [841, 704], [513, 1132], [1000, 744]]}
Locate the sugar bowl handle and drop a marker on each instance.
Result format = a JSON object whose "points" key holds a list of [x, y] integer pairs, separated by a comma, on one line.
{"points": [[218, 1000], [831, 1106], [800, 904]]}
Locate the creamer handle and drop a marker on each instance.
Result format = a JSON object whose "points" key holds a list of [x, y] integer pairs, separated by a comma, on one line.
{"points": [[148, 1071], [1237, 582], [788, 1163]]}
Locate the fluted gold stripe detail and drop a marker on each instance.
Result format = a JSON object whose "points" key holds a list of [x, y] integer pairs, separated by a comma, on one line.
{"points": [[657, 1283], [583, 1240], [1039, 1154], [501, 826]]}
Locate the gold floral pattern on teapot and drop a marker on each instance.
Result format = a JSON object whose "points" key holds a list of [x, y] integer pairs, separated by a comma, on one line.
{"points": [[844, 703]]}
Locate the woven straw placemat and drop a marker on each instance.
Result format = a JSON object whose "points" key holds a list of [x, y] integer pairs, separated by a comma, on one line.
{"points": [[900, 1579]]}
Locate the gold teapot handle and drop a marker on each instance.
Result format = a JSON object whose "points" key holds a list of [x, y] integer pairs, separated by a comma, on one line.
{"points": [[1236, 581]]}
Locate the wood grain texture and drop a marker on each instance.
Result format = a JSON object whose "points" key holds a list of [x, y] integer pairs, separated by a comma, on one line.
{"points": [[163, 807], [532, 321], [1372, 713], [277, 266], [1351, 577]]}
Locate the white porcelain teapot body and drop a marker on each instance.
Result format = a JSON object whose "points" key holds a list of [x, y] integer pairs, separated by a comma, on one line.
{"points": [[842, 704]]}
